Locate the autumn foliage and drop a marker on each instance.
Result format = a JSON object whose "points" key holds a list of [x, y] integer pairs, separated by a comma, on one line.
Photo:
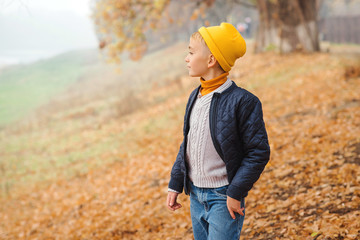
{"points": [[309, 190], [121, 25], [130, 27]]}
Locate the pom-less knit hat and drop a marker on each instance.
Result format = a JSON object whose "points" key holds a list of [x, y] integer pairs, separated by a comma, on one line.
{"points": [[225, 43]]}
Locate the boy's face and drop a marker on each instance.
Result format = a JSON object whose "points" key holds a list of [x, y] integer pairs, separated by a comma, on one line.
{"points": [[198, 58]]}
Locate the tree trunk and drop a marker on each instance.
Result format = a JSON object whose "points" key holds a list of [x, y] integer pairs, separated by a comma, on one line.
{"points": [[287, 25]]}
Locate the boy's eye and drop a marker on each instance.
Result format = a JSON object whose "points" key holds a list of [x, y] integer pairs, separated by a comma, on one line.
{"points": [[190, 53]]}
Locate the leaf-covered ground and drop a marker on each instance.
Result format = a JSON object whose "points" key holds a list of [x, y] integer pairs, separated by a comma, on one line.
{"points": [[309, 190]]}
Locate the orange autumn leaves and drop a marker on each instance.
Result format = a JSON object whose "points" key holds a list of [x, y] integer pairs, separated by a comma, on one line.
{"points": [[310, 188]]}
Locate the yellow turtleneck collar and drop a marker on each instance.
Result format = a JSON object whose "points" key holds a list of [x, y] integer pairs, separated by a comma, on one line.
{"points": [[212, 84]]}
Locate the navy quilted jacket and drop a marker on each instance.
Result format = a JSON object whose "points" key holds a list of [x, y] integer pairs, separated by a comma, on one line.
{"points": [[239, 136]]}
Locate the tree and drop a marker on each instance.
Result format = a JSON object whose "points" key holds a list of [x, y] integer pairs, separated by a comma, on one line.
{"points": [[289, 25], [122, 25]]}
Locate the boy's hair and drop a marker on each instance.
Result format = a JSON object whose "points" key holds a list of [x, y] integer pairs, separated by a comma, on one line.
{"points": [[197, 36]]}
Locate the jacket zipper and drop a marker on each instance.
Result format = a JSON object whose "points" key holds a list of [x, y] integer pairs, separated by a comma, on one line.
{"points": [[213, 120]]}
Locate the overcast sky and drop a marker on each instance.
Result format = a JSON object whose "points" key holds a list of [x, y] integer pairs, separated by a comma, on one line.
{"points": [[33, 29], [79, 7]]}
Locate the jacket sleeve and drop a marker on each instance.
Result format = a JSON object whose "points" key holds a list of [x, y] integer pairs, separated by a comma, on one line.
{"points": [[256, 148], [177, 172]]}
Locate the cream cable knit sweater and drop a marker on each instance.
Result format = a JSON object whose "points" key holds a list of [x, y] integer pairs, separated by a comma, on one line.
{"points": [[206, 168]]}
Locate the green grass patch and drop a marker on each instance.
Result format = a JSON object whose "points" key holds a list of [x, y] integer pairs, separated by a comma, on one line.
{"points": [[25, 87]]}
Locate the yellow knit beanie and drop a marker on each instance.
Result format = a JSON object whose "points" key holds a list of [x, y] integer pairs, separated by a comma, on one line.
{"points": [[225, 43]]}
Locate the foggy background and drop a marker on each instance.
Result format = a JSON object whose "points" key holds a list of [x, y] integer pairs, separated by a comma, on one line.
{"points": [[38, 29], [34, 29]]}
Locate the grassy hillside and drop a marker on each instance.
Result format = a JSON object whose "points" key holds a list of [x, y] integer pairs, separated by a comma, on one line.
{"points": [[25, 87], [78, 75], [66, 126], [105, 151]]}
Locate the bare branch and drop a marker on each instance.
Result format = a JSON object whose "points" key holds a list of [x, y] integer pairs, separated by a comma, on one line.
{"points": [[25, 6]]}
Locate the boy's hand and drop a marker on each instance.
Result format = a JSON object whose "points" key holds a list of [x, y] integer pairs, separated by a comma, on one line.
{"points": [[171, 202], [233, 206]]}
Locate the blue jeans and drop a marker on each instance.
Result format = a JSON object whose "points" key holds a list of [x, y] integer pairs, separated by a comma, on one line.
{"points": [[210, 217]]}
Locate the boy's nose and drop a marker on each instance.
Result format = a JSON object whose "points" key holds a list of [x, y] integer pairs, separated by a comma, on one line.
{"points": [[186, 59]]}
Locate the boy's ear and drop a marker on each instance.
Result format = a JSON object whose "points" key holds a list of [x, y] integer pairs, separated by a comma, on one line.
{"points": [[212, 61]]}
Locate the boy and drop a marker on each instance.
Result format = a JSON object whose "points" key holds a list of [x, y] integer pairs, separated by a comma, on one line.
{"points": [[225, 146]]}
